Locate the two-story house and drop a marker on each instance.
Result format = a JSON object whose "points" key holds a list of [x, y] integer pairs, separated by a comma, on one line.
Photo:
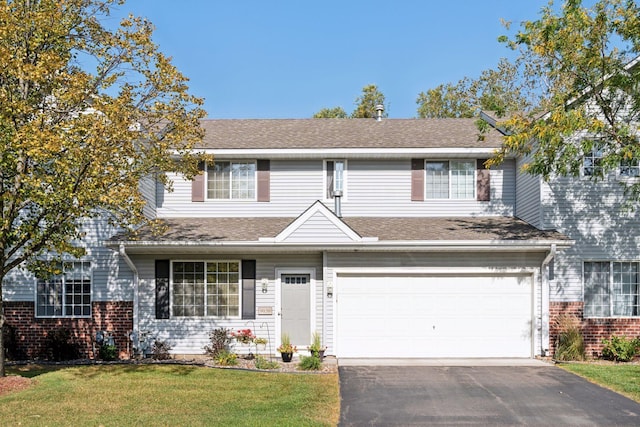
{"points": [[388, 238]]}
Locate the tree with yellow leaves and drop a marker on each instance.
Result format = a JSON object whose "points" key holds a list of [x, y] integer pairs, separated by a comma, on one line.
{"points": [[86, 113], [583, 63]]}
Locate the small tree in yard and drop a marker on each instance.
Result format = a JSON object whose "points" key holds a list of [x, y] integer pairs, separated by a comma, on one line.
{"points": [[86, 112]]}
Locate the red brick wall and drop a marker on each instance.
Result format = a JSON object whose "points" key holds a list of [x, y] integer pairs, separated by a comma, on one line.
{"points": [[116, 317], [593, 330]]}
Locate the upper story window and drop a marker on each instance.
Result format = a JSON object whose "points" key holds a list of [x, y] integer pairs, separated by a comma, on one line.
{"points": [[209, 288], [234, 180], [450, 179], [66, 294], [592, 162], [629, 169], [335, 177], [611, 289]]}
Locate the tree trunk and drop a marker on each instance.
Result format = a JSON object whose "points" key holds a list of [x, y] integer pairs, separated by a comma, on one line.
{"points": [[2, 371]]}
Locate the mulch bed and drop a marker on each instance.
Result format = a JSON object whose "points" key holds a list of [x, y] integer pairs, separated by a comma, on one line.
{"points": [[13, 383]]}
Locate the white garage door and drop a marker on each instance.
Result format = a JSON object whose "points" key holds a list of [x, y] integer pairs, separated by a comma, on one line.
{"points": [[433, 316]]}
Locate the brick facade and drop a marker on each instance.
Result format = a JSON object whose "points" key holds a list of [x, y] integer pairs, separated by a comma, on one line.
{"points": [[593, 330], [115, 317]]}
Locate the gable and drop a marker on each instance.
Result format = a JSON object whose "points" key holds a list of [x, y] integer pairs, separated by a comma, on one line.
{"points": [[318, 224]]}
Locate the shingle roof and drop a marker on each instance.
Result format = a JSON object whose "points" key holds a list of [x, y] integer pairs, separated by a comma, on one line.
{"points": [[345, 133], [386, 229]]}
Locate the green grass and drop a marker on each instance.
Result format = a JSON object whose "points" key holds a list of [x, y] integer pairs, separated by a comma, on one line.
{"points": [[171, 395], [622, 378]]}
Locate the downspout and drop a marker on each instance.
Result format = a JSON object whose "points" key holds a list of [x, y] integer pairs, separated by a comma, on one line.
{"points": [[544, 297], [136, 316], [324, 297]]}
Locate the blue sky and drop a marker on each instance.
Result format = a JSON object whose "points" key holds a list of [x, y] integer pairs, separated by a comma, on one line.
{"points": [[289, 59]]}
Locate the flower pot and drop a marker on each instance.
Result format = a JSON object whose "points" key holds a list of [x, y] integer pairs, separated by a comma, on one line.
{"points": [[319, 354], [286, 357]]}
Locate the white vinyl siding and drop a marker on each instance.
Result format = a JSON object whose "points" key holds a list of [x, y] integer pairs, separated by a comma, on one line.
{"points": [[528, 195], [594, 216], [188, 335], [374, 187], [111, 278]]}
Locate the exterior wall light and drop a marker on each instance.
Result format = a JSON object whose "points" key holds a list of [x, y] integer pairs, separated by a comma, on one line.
{"points": [[265, 285]]}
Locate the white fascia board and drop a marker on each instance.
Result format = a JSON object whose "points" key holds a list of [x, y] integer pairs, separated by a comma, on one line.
{"points": [[363, 246], [350, 153]]}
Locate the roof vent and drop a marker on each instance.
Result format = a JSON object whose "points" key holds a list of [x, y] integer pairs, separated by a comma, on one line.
{"points": [[379, 111]]}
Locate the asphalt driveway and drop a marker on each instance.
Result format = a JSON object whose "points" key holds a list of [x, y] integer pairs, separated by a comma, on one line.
{"points": [[483, 395]]}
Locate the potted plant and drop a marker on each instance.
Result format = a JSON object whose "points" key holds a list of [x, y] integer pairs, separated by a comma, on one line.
{"points": [[261, 343], [286, 349], [316, 348], [243, 336]]}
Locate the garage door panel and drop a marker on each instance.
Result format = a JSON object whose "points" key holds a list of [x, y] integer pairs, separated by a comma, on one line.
{"points": [[433, 316]]}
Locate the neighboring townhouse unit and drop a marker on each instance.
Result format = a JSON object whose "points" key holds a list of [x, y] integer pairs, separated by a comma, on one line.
{"points": [[388, 238]]}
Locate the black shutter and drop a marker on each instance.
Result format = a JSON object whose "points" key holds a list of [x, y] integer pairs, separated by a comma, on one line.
{"points": [[162, 289], [248, 289]]}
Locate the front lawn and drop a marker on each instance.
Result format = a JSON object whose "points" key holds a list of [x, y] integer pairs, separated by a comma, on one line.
{"points": [[622, 378], [171, 395]]}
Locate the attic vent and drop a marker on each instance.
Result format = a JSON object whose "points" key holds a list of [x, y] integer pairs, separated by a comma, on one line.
{"points": [[379, 111]]}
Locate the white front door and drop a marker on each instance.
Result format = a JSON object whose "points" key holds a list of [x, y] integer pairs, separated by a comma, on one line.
{"points": [[295, 310]]}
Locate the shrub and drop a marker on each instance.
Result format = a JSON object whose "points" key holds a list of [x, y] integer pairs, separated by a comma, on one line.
{"points": [[570, 342], [220, 340], [310, 363], [58, 346], [263, 363], [620, 349], [108, 352], [226, 358], [12, 350], [160, 350]]}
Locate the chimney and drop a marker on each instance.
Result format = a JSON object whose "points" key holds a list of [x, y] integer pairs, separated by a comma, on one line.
{"points": [[337, 198], [379, 111]]}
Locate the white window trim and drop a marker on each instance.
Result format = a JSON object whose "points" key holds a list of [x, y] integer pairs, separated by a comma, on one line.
{"points": [[230, 199], [171, 293], [344, 179], [475, 180], [611, 262], [67, 316]]}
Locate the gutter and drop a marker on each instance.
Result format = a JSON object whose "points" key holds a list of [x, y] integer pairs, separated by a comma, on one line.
{"points": [[136, 311], [355, 246], [545, 289]]}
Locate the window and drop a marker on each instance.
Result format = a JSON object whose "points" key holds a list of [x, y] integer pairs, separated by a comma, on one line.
{"points": [[209, 288], [592, 163], [450, 179], [629, 169], [335, 177], [611, 289], [67, 293], [231, 180]]}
